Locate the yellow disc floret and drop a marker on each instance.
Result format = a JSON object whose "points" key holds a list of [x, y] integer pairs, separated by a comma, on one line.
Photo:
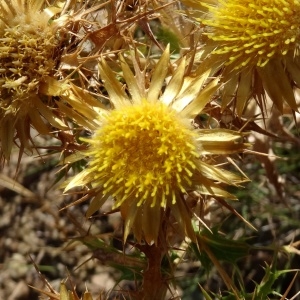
{"points": [[143, 153], [251, 32]]}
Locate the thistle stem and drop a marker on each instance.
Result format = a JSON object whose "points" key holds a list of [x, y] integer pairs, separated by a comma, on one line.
{"points": [[154, 281], [154, 286]]}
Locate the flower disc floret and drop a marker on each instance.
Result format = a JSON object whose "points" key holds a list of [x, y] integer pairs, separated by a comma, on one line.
{"points": [[26, 51], [253, 32], [143, 153]]}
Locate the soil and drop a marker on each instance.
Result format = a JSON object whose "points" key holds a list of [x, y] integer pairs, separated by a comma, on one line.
{"points": [[33, 230]]}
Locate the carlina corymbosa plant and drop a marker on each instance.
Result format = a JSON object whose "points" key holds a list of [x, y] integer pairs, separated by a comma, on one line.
{"points": [[147, 106], [147, 155], [255, 44]]}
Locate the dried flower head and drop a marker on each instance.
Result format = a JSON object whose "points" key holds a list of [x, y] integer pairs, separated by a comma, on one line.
{"points": [[256, 43], [146, 152], [27, 62], [27, 46]]}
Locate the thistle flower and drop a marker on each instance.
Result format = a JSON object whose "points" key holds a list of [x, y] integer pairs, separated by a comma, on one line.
{"points": [[146, 152], [256, 43], [27, 67]]}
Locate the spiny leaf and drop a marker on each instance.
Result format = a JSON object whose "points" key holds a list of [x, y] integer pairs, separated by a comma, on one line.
{"points": [[223, 248]]}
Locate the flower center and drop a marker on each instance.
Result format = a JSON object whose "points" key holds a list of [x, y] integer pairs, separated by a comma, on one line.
{"points": [[252, 32], [144, 152], [26, 52]]}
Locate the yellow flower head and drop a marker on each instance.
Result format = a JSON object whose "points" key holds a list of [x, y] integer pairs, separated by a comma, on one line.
{"points": [[256, 45], [252, 32], [146, 152]]}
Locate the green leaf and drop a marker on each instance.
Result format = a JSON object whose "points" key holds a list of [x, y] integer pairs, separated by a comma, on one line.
{"points": [[223, 248], [264, 289], [166, 36]]}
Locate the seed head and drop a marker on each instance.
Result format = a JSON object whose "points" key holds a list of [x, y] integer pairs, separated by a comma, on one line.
{"points": [[26, 51], [27, 65]]}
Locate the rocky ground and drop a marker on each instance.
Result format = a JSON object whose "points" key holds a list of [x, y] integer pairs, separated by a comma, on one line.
{"points": [[33, 229]]}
